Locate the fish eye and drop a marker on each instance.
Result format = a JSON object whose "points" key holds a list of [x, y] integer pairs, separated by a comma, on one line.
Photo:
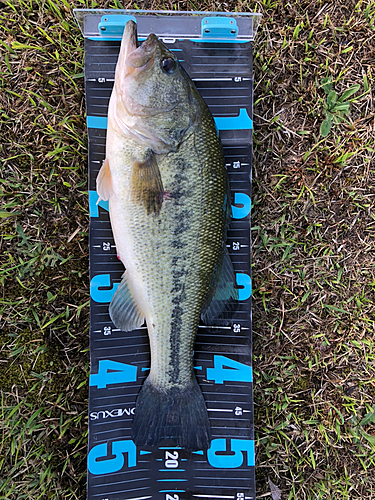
{"points": [[168, 65]]}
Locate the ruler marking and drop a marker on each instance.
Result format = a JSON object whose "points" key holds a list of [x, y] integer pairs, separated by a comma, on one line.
{"points": [[212, 79], [214, 496], [130, 480], [122, 491], [170, 480]]}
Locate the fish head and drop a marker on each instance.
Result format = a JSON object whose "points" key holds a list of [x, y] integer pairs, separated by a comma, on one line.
{"points": [[156, 102]]}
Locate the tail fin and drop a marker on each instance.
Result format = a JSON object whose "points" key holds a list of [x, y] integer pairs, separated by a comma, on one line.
{"points": [[177, 414]]}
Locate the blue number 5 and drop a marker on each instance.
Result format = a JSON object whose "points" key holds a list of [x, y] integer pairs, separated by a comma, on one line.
{"points": [[243, 211], [236, 451], [98, 461]]}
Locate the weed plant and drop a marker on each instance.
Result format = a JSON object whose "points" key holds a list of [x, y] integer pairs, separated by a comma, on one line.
{"points": [[313, 248]]}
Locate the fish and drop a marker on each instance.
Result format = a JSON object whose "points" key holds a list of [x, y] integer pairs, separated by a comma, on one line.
{"points": [[169, 203]]}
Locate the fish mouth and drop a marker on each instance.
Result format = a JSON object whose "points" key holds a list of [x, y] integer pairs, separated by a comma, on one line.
{"points": [[132, 54], [130, 35], [138, 55]]}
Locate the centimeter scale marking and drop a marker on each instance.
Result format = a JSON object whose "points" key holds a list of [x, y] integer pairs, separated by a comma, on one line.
{"points": [[118, 470]]}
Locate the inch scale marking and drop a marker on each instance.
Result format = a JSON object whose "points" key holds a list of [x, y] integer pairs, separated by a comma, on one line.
{"points": [[117, 469]]}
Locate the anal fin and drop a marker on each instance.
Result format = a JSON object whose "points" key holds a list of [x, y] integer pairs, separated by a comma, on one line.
{"points": [[123, 309]]}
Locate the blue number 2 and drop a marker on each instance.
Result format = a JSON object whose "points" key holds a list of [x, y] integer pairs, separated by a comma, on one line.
{"points": [[93, 204], [245, 202], [235, 455], [120, 373], [98, 461], [226, 369]]}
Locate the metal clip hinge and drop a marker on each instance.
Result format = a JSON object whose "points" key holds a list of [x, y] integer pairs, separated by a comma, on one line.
{"points": [[114, 25], [219, 27]]}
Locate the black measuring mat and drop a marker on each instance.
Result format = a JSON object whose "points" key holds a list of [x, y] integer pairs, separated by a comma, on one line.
{"points": [[117, 469]]}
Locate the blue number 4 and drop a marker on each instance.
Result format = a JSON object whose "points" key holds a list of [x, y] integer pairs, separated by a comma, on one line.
{"points": [[226, 369], [120, 373]]}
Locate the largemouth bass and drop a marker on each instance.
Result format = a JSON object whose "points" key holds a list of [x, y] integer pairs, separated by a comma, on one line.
{"points": [[169, 204]]}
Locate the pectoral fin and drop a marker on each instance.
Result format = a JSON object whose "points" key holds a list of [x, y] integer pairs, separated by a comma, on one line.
{"points": [[146, 184], [104, 182], [123, 309]]}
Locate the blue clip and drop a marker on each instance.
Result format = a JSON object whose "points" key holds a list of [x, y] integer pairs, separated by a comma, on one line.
{"points": [[219, 27], [114, 25]]}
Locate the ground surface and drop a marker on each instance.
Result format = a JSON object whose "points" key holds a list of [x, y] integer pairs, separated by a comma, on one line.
{"points": [[313, 249]]}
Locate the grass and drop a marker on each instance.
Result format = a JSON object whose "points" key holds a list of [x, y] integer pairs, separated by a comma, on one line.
{"points": [[313, 249], [44, 254]]}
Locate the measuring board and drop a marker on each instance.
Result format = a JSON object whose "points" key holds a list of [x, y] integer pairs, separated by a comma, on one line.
{"points": [[220, 64]]}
